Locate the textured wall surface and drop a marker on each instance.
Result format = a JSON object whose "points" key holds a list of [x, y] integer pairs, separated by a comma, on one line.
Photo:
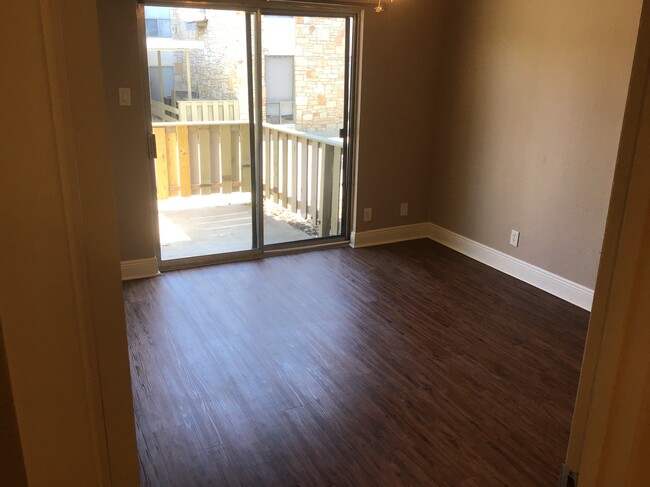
{"points": [[320, 74]]}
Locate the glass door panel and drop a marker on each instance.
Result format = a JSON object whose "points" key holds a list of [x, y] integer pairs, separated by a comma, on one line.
{"points": [[304, 70], [201, 96]]}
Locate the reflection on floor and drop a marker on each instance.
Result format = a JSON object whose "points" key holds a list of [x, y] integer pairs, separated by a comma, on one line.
{"points": [[215, 224]]}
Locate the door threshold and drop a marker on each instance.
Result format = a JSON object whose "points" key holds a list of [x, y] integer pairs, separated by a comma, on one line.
{"points": [[273, 251]]}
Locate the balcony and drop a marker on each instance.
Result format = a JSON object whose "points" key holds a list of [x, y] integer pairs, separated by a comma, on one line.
{"points": [[203, 182]]}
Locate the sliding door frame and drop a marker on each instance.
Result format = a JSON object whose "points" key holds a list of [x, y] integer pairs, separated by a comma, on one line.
{"points": [[255, 9]]}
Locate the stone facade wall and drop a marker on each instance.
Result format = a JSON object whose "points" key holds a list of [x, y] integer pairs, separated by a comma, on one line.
{"points": [[320, 74], [219, 71]]}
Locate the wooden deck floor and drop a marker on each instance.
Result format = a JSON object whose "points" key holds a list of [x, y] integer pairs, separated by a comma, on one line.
{"points": [[406, 364]]}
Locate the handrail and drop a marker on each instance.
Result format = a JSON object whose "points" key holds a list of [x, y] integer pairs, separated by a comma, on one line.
{"points": [[279, 128], [306, 135], [199, 124]]}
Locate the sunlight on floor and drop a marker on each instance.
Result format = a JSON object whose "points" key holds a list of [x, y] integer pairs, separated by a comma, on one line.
{"points": [[203, 201], [170, 232]]}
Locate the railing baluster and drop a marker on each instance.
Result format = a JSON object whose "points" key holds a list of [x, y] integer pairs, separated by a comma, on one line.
{"points": [[284, 170], [293, 200], [204, 160], [171, 144], [215, 159], [335, 228], [226, 164], [184, 160], [313, 211], [234, 147], [325, 203], [304, 176], [275, 180], [245, 137], [266, 172], [195, 168], [162, 181]]}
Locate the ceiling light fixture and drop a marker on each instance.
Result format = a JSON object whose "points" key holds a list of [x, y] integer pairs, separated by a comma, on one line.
{"points": [[381, 6]]}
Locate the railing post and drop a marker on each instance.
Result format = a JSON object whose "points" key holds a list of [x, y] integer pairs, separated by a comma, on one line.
{"points": [[275, 180], [204, 160], [266, 171], [234, 156], [162, 180], [293, 200], [171, 144], [313, 211], [336, 192], [304, 176], [325, 205], [245, 137], [226, 166], [215, 158], [284, 193], [195, 158], [182, 112], [184, 161]]}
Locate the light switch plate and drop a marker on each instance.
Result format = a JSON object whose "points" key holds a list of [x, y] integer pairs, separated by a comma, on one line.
{"points": [[125, 97]]}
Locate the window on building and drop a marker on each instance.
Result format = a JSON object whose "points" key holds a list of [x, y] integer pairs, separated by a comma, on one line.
{"points": [[158, 21]]}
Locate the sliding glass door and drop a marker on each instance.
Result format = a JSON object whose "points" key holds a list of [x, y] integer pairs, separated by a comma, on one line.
{"points": [[199, 67], [250, 124], [304, 106]]}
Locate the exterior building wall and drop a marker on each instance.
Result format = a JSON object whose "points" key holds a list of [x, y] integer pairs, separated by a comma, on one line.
{"points": [[320, 74], [219, 70]]}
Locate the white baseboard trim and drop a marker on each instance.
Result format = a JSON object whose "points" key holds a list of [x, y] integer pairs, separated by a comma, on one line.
{"points": [[551, 283], [389, 235], [547, 281], [139, 269]]}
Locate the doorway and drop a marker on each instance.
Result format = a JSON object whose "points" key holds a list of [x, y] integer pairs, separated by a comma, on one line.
{"points": [[250, 117]]}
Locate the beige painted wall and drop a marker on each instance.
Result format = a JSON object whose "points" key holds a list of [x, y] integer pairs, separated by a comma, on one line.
{"points": [[122, 66], [60, 292], [398, 109], [532, 102]]}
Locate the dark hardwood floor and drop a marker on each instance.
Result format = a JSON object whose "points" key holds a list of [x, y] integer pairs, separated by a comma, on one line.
{"points": [[407, 364]]}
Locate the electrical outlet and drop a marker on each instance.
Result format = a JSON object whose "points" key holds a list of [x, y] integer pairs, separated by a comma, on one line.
{"points": [[367, 214], [514, 238], [403, 209]]}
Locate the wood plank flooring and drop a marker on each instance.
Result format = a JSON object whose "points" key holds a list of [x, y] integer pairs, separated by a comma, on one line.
{"points": [[406, 364]]}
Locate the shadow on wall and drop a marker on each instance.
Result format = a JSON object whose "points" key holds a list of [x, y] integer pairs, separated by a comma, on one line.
{"points": [[12, 467]]}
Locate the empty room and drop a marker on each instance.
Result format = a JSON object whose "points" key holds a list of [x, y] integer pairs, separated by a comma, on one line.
{"points": [[347, 242]]}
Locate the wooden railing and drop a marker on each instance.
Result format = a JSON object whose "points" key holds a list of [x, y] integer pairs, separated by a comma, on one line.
{"points": [[196, 110], [300, 172], [164, 112], [207, 110]]}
